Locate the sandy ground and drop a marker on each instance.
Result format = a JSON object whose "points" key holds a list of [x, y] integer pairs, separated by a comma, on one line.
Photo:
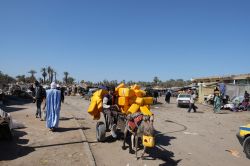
{"points": [[185, 139], [35, 145], [188, 139]]}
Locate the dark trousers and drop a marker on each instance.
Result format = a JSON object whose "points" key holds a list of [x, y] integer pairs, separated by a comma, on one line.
{"points": [[192, 106], [62, 98], [38, 108], [110, 117]]}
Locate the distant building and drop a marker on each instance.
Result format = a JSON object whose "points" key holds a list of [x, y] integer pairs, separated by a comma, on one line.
{"points": [[235, 85], [229, 79]]}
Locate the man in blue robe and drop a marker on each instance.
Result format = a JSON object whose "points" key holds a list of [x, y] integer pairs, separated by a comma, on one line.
{"points": [[53, 106]]}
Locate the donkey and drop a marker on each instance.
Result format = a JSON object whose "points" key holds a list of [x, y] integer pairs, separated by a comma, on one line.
{"points": [[144, 127]]}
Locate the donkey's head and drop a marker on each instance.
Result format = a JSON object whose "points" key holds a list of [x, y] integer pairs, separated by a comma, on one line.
{"points": [[148, 128]]}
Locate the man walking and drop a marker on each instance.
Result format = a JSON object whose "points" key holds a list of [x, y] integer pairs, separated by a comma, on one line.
{"points": [[39, 95], [191, 104], [167, 97], [53, 106]]}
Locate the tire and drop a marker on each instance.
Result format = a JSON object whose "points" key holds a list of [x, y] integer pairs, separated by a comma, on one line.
{"points": [[100, 131], [246, 146]]}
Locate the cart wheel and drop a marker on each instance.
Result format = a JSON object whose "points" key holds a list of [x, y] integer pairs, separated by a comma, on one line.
{"points": [[100, 131], [246, 146]]}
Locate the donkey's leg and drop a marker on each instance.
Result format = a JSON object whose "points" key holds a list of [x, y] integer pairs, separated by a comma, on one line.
{"points": [[132, 141], [125, 137], [136, 145], [131, 145]]}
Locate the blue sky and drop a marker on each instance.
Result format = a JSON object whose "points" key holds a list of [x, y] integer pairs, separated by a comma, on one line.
{"points": [[126, 39]]}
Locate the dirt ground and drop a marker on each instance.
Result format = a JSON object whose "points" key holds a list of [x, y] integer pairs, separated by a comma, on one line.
{"points": [[36, 145], [184, 139], [188, 139]]}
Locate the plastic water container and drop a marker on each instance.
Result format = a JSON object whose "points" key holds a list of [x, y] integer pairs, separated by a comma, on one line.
{"points": [[148, 141], [145, 111], [133, 108], [148, 100], [139, 101]]}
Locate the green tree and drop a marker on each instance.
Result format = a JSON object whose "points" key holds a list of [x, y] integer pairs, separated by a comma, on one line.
{"points": [[50, 73], [55, 73], [156, 80], [5, 78], [21, 78], [71, 80], [44, 74], [32, 78], [32, 72], [66, 74]]}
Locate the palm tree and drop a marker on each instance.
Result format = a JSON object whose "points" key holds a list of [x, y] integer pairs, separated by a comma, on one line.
{"points": [[66, 74], [51, 75], [32, 72], [49, 72], [55, 75], [44, 74], [156, 80], [21, 78], [70, 80]]}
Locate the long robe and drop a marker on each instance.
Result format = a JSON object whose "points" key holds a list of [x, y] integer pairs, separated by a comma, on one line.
{"points": [[53, 106], [217, 104]]}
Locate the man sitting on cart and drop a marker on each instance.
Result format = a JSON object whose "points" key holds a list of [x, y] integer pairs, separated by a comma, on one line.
{"points": [[110, 112]]}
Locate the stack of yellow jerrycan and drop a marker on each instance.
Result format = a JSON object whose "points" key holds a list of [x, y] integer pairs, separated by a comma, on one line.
{"points": [[95, 107], [130, 100]]}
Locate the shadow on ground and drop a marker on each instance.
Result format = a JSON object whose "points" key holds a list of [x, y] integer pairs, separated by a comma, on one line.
{"points": [[13, 100], [60, 144], [15, 148], [10, 109], [65, 118], [62, 129], [160, 153]]}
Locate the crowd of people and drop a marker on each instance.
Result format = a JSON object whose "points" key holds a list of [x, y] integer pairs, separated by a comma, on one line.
{"points": [[220, 101]]}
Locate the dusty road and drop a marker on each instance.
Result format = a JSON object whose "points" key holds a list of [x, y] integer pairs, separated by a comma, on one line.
{"points": [[185, 139], [35, 145]]}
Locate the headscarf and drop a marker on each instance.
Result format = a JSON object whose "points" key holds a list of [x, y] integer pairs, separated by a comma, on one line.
{"points": [[53, 85]]}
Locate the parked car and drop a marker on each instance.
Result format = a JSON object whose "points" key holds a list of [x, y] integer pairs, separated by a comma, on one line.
{"points": [[183, 100], [244, 138]]}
